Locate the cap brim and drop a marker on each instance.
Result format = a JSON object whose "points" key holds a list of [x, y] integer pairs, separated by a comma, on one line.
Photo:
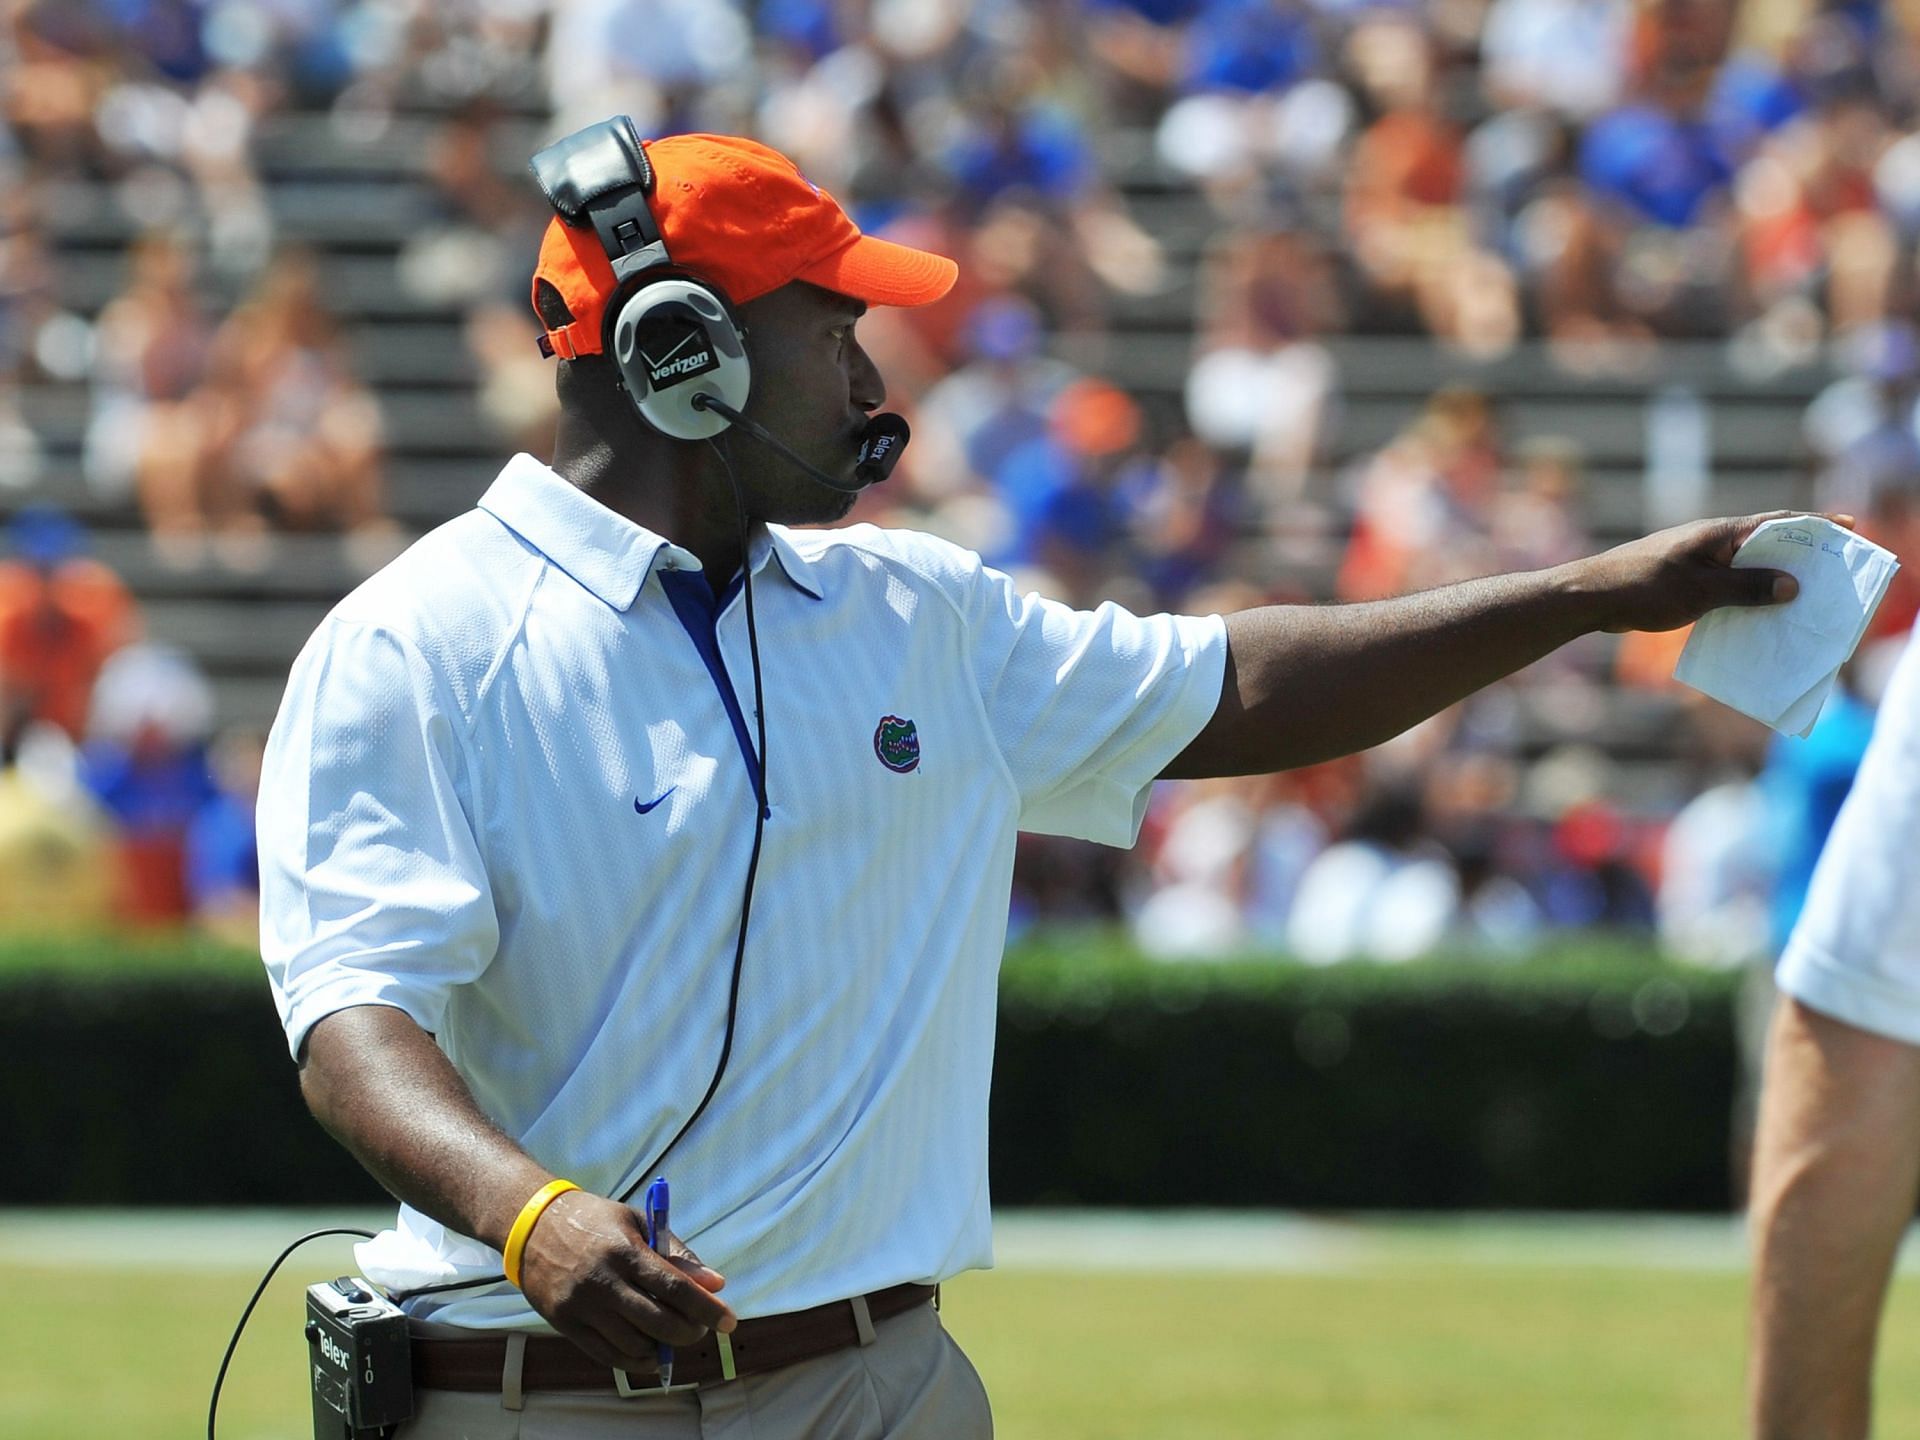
{"points": [[883, 273]]}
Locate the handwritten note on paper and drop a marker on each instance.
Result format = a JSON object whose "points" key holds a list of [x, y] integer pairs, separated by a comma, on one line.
{"points": [[1777, 662]]}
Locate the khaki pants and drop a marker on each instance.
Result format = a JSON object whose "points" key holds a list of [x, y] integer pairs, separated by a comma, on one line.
{"points": [[911, 1383]]}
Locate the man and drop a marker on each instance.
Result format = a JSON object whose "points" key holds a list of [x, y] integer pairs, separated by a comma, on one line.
{"points": [[1837, 1158], [517, 778]]}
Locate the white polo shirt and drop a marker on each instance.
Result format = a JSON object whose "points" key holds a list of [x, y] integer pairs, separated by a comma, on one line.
{"points": [[1855, 952], [509, 792]]}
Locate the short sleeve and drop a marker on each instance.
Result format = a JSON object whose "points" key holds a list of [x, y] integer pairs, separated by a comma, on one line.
{"points": [[1855, 952], [372, 888], [1088, 707]]}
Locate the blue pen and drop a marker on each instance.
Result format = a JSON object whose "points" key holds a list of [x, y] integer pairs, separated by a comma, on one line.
{"points": [[657, 1238]]}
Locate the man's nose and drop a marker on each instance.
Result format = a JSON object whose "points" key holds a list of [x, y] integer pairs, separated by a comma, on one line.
{"points": [[867, 387]]}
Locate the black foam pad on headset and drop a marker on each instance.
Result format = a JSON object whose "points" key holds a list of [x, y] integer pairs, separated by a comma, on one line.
{"points": [[579, 168], [602, 175]]}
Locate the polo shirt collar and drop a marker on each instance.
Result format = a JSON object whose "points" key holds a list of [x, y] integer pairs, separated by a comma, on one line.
{"points": [[606, 552], [772, 539]]}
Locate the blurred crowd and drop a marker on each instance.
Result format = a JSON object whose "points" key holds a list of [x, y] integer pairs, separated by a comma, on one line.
{"points": [[1589, 177], [119, 804]]}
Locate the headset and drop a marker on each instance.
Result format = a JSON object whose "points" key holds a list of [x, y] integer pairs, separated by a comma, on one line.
{"points": [[666, 328]]}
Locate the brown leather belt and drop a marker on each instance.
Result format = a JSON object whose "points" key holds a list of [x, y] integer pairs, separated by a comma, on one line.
{"points": [[771, 1342]]}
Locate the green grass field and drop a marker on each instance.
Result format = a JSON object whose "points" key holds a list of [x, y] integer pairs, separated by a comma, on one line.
{"points": [[1485, 1329]]}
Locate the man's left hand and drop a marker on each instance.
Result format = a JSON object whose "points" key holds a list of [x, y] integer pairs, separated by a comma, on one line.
{"points": [[1673, 577]]}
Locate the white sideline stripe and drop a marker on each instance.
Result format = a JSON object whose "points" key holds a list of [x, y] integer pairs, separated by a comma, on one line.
{"points": [[1221, 1242], [1282, 1243], [178, 1239]]}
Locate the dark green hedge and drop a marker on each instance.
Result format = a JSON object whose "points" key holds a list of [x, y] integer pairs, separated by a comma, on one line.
{"points": [[1594, 1077], [1590, 1077], [167, 1086]]}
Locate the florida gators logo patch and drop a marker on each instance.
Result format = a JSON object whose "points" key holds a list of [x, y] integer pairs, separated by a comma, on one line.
{"points": [[897, 743]]}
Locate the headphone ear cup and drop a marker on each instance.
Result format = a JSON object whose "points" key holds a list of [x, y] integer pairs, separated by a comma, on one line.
{"points": [[672, 339]]}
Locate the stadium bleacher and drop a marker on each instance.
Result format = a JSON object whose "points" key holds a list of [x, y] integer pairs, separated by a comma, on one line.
{"points": [[354, 202]]}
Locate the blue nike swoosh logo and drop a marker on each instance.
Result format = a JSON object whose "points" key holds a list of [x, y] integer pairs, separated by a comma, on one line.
{"points": [[640, 809]]}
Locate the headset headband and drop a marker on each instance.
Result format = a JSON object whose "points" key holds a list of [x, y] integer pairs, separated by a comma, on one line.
{"points": [[601, 176]]}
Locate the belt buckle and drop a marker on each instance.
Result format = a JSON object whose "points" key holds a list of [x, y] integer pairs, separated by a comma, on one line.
{"points": [[630, 1391]]}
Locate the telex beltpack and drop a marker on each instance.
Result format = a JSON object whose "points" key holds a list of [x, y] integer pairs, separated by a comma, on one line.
{"points": [[359, 1355]]}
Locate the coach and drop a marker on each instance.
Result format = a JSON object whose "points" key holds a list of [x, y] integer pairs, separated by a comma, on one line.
{"points": [[617, 830], [1837, 1159]]}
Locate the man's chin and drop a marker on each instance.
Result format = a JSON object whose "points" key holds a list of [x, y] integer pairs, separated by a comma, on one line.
{"points": [[834, 505], [816, 505]]}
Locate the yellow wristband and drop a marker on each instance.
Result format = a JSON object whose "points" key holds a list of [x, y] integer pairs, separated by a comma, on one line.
{"points": [[523, 1225]]}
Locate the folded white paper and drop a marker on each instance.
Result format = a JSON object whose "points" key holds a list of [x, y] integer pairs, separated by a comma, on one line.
{"points": [[1777, 662]]}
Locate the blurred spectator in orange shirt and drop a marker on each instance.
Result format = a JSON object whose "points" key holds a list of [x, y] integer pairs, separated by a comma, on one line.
{"points": [[61, 615], [1421, 505], [1405, 216]]}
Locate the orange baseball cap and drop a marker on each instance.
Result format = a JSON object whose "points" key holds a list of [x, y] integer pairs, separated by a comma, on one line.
{"points": [[740, 215]]}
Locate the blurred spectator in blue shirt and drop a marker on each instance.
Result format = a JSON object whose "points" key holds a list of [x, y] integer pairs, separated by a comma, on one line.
{"points": [[223, 859], [1024, 173], [1249, 45], [146, 763], [1037, 152], [1064, 490], [1662, 165], [1001, 398], [1804, 784]]}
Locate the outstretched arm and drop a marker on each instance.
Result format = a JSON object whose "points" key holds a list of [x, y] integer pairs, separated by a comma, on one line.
{"points": [[1836, 1167], [384, 1089], [1305, 683]]}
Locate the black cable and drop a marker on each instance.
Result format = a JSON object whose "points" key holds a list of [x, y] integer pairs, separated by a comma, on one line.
{"points": [[219, 1380], [759, 825], [400, 1296], [704, 401]]}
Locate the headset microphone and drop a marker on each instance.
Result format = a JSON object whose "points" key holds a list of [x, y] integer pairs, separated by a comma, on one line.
{"points": [[880, 445]]}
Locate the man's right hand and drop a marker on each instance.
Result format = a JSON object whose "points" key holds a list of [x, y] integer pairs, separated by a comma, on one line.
{"points": [[380, 1084], [588, 1269]]}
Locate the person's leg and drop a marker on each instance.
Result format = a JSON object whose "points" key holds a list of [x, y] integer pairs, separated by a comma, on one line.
{"points": [[557, 1415], [911, 1383], [927, 1387], [459, 1415]]}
